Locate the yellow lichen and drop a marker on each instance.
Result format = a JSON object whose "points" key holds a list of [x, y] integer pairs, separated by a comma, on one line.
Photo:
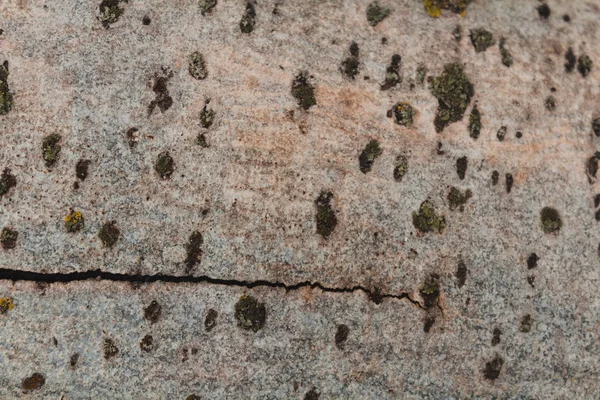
{"points": [[6, 303], [74, 221], [433, 8]]}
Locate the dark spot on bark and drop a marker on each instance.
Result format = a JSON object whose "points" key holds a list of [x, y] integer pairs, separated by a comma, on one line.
{"points": [[509, 182], [430, 291], [400, 168], [426, 220], [571, 60], [566, 18], [110, 12], [312, 395], [457, 33], [201, 141], [496, 336], [596, 126], [147, 343], [51, 149], [376, 13], [453, 92], [110, 348], [249, 18], [519, 134], [526, 323], [544, 11], [475, 123], [303, 91], [456, 199], [6, 97], [551, 221], [197, 66], [429, 321], [207, 115], [206, 6], [550, 103], [152, 312], [495, 177], [193, 249], [7, 181], [507, 59], [376, 296], [493, 368], [165, 165], [392, 73], [109, 234], [531, 280], [461, 274], [163, 99], [592, 167], [403, 114], [34, 382], [74, 360], [81, 169], [131, 136], [341, 335], [462, 164], [350, 64], [367, 157], [211, 320], [532, 261], [193, 397], [584, 65], [250, 313], [501, 133], [146, 20], [481, 39], [325, 218]]}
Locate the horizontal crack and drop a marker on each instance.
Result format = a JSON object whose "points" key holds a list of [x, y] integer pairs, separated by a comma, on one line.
{"points": [[17, 275]]}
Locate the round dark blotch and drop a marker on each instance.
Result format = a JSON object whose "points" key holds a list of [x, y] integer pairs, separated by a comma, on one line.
{"points": [[147, 343], [551, 220], [165, 165], [146, 20], [325, 217], [109, 234], [544, 11], [33, 382], [462, 164], [430, 291], [493, 368], [461, 274], [153, 311], [509, 182], [519, 134], [532, 261], [250, 313], [566, 18], [110, 348], [211, 320], [73, 360], [312, 394], [341, 335], [8, 238]]}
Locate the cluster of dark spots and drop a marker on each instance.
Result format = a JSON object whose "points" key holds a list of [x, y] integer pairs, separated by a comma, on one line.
{"points": [[6, 304], [495, 177], [596, 126], [400, 167], [51, 149], [197, 66], [303, 91], [147, 343], [461, 274], [376, 13], [571, 60], [550, 103], [532, 261], [475, 123], [131, 136], [7, 181], [421, 74], [434, 7], [206, 6], [325, 217], [551, 221], [109, 348], [496, 336], [426, 220], [250, 313], [341, 335], [81, 169], [509, 181], [110, 12], [507, 59], [481, 39], [163, 99], [33, 382], [146, 20], [367, 157], [403, 114], [152, 312], [430, 291], [165, 165], [453, 92], [392, 73], [462, 164], [249, 18], [544, 11], [109, 234], [429, 321], [312, 394], [526, 323], [584, 65], [73, 360], [74, 221], [6, 97], [501, 133], [211, 320], [591, 167], [492, 368], [456, 199], [457, 33], [350, 64], [193, 249]]}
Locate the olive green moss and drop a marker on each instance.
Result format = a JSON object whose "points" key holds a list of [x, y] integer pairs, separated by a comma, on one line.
{"points": [[376, 13], [596, 126], [434, 7], [7, 181], [250, 314], [551, 221], [430, 291], [481, 39], [475, 123], [201, 140], [392, 73], [526, 323], [248, 19], [109, 348], [197, 66], [584, 65], [453, 92], [6, 97], [457, 199], [400, 167], [351, 64], [109, 234], [193, 250], [165, 165], [571, 60], [207, 116], [303, 91], [206, 6], [74, 221], [421, 74], [8, 238], [507, 59], [462, 163], [110, 12], [426, 220], [367, 157], [550, 103], [403, 114], [51, 149], [325, 217]]}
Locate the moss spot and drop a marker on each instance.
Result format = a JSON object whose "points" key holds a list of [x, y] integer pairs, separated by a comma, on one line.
{"points": [[475, 123], [197, 66], [430, 291], [403, 114], [312, 394], [163, 99], [6, 97], [544, 11], [532, 261], [392, 73], [206, 6], [33, 382], [8, 238], [350, 64], [495, 177], [453, 92], [303, 91], [584, 65], [193, 249], [461, 274], [109, 234], [481, 39], [457, 33], [249, 18], [400, 168], [6, 304], [7, 181], [507, 59], [421, 74], [207, 115], [376, 13], [456, 199], [51, 149], [493, 368], [571, 60], [201, 141], [250, 313], [81, 169], [110, 348], [526, 324], [550, 103], [501, 133], [147, 343], [434, 7], [341, 335], [591, 167], [462, 163], [110, 12], [74, 221], [165, 165], [509, 180], [211, 320], [551, 221], [152, 312], [426, 220], [325, 218], [367, 157]]}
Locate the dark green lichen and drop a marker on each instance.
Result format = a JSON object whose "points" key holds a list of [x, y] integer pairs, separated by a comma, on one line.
{"points": [[110, 12], [493, 368], [400, 167], [481, 39], [163, 99], [544, 11], [153, 311], [193, 249], [403, 114], [249, 18], [109, 234], [6, 97], [584, 65], [8, 238], [207, 115], [550, 103], [495, 177], [7, 181], [341, 336], [591, 167], [496, 336], [197, 66], [211, 320], [453, 92], [350, 64], [147, 343], [81, 169], [430, 291], [475, 123], [421, 74], [74, 221], [596, 126], [376, 13], [507, 59], [392, 73], [426, 220], [206, 6], [551, 221], [571, 60], [456, 199], [462, 163], [367, 157], [165, 165], [250, 313], [303, 91], [51, 149], [110, 348], [201, 140], [526, 323], [326, 220], [501, 133], [33, 382]]}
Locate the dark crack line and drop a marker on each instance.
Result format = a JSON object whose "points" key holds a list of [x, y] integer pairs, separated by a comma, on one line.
{"points": [[17, 275]]}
